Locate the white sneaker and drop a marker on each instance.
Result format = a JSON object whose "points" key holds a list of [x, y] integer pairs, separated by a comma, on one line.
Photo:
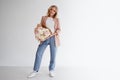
{"points": [[51, 73], [32, 74]]}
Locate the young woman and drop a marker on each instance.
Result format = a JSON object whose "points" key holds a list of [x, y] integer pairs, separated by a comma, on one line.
{"points": [[51, 21]]}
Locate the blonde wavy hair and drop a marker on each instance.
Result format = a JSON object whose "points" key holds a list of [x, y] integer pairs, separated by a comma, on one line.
{"points": [[55, 15]]}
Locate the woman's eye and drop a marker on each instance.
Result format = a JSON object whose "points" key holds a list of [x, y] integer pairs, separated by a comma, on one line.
{"points": [[53, 10]]}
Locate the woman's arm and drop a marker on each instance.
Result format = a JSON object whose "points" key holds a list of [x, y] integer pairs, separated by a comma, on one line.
{"points": [[58, 29], [36, 28]]}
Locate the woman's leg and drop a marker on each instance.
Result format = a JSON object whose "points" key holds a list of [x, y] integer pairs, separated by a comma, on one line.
{"points": [[39, 53], [52, 53]]}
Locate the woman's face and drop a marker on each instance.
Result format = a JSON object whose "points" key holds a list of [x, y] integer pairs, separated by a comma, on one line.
{"points": [[52, 11]]}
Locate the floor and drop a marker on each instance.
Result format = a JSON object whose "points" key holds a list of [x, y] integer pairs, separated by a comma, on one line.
{"points": [[62, 73]]}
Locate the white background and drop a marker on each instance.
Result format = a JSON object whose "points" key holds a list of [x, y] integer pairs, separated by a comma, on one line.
{"points": [[90, 35]]}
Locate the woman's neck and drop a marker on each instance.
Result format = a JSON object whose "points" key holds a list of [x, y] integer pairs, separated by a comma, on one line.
{"points": [[50, 16]]}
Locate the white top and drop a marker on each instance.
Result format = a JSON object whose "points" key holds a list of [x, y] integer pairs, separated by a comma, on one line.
{"points": [[50, 23]]}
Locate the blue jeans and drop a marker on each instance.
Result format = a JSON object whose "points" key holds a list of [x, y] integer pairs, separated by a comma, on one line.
{"points": [[41, 48]]}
